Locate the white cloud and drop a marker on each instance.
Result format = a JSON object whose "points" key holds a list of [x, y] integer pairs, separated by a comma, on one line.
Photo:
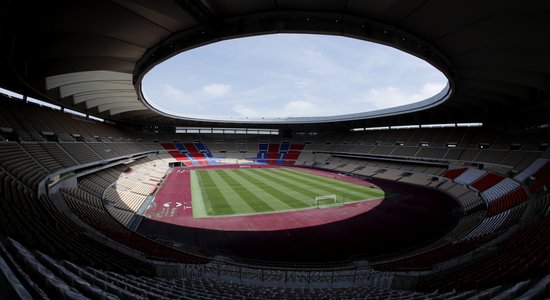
{"points": [[385, 97], [303, 108], [245, 111], [216, 89], [299, 107], [429, 89], [391, 96], [175, 94], [292, 75]]}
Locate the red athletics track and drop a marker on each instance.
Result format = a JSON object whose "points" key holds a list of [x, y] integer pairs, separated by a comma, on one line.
{"points": [[172, 204]]}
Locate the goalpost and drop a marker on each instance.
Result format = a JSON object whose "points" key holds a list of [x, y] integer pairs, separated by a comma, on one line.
{"points": [[318, 199]]}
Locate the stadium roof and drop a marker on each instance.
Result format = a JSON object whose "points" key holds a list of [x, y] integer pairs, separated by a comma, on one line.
{"points": [[90, 55]]}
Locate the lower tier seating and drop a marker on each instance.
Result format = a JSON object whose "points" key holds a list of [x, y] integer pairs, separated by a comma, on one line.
{"points": [[526, 251], [42, 276]]}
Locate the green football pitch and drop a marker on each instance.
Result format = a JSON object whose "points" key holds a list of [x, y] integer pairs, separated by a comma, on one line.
{"points": [[227, 192]]}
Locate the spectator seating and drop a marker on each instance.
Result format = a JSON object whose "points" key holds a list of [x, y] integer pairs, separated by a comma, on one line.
{"points": [[541, 178], [531, 169], [81, 152], [487, 181], [469, 176], [467, 198], [545, 169], [541, 183], [174, 151], [45, 276], [102, 150], [36, 151], [16, 162], [492, 225], [500, 189], [90, 210], [196, 154], [60, 155], [526, 251], [54, 233], [388, 174], [454, 173], [426, 260], [124, 200], [507, 201], [37, 222], [279, 154]]}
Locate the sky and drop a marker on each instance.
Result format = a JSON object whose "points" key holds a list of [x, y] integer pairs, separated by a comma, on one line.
{"points": [[289, 75]]}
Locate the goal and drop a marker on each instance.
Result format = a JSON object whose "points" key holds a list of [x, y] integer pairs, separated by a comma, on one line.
{"points": [[321, 200]]}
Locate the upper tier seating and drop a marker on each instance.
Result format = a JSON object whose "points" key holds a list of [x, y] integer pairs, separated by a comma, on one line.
{"points": [[81, 152], [15, 161]]}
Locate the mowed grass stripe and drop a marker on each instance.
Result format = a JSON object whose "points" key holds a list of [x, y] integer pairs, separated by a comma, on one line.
{"points": [[293, 184], [275, 191], [319, 189], [234, 199], [348, 186], [218, 205], [331, 186], [198, 203], [251, 191], [244, 189]]}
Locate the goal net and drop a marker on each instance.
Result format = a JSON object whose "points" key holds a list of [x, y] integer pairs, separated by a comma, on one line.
{"points": [[324, 200]]}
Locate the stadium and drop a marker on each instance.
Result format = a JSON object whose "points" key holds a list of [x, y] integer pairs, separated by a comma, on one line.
{"points": [[104, 195]]}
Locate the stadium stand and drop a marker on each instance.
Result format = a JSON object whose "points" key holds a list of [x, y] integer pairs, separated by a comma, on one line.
{"points": [[454, 173], [15, 161], [86, 201], [175, 152], [535, 166], [77, 173], [195, 153], [469, 176], [526, 241], [507, 201], [500, 189], [486, 182], [68, 280]]}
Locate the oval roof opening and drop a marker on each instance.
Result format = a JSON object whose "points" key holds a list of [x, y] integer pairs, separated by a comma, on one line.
{"points": [[289, 77]]}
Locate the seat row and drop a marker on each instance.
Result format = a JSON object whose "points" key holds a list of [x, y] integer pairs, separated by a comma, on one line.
{"points": [[42, 276]]}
